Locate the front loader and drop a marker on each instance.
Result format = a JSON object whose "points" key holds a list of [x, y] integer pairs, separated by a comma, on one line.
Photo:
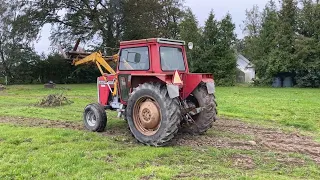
{"points": [[152, 89]]}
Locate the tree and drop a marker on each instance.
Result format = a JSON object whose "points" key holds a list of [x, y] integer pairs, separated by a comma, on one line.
{"points": [[252, 23], [218, 55], [267, 40], [15, 38], [89, 20], [190, 32], [271, 48], [252, 26], [106, 20], [209, 39], [151, 18], [141, 19], [283, 60], [227, 39], [307, 45]]}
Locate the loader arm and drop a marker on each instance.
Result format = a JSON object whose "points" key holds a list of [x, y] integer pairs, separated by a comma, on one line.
{"points": [[97, 58]]}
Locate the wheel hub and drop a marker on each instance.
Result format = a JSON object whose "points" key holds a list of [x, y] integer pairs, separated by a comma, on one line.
{"points": [[91, 119], [149, 115]]}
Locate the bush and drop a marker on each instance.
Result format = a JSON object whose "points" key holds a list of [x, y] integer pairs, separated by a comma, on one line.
{"points": [[309, 78]]}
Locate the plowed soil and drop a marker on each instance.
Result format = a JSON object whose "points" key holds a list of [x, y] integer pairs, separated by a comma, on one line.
{"points": [[263, 139], [260, 138]]}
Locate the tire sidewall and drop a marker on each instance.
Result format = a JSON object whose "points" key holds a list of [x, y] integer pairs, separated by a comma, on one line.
{"points": [[98, 115]]}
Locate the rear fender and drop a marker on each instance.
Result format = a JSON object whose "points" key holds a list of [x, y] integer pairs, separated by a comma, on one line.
{"points": [[191, 81]]}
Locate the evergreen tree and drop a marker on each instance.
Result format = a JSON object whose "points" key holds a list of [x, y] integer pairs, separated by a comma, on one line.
{"points": [[190, 32], [208, 61], [267, 39], [228, 64], [307, 45], [218, 56], [281, 58]]}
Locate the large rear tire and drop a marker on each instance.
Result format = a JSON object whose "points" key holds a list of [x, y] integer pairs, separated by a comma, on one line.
{"points": [[153, 117], [204, 120], [95, 117]]}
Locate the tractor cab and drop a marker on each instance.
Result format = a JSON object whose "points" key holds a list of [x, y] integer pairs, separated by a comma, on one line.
{"points": [[154, 55]]}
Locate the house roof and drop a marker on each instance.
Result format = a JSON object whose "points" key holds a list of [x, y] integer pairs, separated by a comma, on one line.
{"points": [[248, 63]]}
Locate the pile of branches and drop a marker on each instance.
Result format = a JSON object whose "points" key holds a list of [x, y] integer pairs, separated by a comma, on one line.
{"points": [[2, 87], [53, 100]]}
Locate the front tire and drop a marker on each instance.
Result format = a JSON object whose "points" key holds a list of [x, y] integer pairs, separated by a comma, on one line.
{"points": [[153, 117], [95, 118]]}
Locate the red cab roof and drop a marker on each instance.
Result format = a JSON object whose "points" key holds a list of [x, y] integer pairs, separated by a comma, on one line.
{"points": [[153, 40]]}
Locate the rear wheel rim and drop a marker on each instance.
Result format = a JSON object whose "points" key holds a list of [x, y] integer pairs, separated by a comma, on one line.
{"points": [[91, 118], [147, 116]]}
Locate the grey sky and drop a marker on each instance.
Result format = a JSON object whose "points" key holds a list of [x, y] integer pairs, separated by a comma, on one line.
{"points": [[201, 8]]}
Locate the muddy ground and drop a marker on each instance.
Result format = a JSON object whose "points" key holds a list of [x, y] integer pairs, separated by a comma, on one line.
{"points": [[232, 134]]}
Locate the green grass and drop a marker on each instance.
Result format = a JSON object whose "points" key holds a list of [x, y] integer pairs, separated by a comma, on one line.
{"points": [[28, 153], [20, 100], [292, 107], [43, 153]]}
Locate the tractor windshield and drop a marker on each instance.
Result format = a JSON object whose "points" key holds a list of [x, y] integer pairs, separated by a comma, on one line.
{"points": [[172, 59]]}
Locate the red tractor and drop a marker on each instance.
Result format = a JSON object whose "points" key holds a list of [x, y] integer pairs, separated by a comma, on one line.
{"points": [[152, 89]]}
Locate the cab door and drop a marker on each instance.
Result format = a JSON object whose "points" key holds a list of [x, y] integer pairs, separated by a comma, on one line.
{"points": [[133, 60]]}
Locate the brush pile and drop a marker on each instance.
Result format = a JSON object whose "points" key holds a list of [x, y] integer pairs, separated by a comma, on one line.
{"points": [[2, 87], [53, 100]]}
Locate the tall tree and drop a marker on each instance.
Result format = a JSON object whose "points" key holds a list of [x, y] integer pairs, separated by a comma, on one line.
{"points": [[98, 19], [141, 19], [282, 58], [218, 55], [209, 40], [228, 61], [252, 26], [190, 32], [268, 39], [151, 18], [307, 45], [15, 38], [252, 23]]}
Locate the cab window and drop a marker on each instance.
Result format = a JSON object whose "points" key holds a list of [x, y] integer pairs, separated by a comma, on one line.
{"points": [[134, 59], [172, 59]]}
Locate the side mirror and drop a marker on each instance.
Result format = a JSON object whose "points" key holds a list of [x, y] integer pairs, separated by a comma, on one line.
{"points": [[137, 57], [190, 45]]}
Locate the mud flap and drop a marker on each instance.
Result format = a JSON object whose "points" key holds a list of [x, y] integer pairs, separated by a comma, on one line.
{"points": [[173, 90], [210, 87]]}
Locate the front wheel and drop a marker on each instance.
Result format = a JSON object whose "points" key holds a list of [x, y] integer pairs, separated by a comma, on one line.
{"points": [[95, 118], [153, 117]]}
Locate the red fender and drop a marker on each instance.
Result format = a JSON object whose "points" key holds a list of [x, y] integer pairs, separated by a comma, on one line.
{"points": [[192, 81]]}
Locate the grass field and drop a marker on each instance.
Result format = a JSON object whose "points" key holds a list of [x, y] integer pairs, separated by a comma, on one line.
{"points": [[56, 153]]}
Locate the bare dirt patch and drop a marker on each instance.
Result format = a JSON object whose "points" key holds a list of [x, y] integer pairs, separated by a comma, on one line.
{"points": [[264, 139], [31, 122], [243, 161]]}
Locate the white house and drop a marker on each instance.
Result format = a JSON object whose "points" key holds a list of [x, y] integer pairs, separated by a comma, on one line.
{"points": [[246, 70]]}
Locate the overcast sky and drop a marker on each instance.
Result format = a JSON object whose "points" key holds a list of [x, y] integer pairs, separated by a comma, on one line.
{"points": [[201, 8]]}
